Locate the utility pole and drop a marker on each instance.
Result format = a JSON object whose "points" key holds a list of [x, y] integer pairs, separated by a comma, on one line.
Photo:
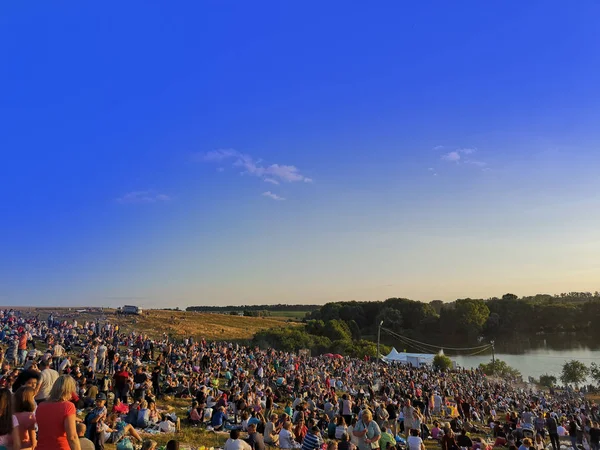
{"points": [[493, 356], [379, 338]]}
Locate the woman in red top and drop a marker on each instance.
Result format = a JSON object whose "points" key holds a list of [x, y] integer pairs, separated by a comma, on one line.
{"points": [[56, 418]]}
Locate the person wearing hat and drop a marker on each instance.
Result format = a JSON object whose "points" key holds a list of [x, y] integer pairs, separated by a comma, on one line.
{"points": [[98, 413]]}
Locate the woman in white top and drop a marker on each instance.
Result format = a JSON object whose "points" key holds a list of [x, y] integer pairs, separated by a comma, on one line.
{"points": [[414, 442], [341, 427], [353, 439], [287, 440]]}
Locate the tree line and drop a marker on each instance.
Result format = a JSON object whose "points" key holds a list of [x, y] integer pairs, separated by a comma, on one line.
{"points": [[241, 308], [468, 320]]}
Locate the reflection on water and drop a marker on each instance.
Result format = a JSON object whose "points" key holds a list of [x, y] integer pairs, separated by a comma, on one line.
{"points": [[535, 362]]}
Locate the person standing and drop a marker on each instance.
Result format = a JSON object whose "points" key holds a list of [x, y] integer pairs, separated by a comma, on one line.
{"points": [[56, 418], [24, 412], [57, 355], [9, 424], [22, 347], [367, 431], [48, 377], [552, 427]]}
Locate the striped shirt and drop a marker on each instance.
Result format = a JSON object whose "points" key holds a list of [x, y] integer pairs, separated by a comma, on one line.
{"points": [[311, 442]]}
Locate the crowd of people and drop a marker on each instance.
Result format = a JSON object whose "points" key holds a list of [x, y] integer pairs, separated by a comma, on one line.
{"points": [[69, 385]]}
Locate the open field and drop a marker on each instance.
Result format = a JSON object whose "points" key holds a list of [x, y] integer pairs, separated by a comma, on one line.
{"points": [[199, 325], [297, 315], [178, 324]]}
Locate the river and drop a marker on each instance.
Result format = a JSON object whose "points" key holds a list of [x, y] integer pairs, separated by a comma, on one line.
{"points": [[535, 362]]}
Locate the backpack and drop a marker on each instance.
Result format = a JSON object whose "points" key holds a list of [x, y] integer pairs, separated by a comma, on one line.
{"points": [[125, 444]]}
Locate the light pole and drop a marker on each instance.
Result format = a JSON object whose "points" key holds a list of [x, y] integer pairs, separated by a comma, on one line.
{"points": [[493, 356], [378, 338]]}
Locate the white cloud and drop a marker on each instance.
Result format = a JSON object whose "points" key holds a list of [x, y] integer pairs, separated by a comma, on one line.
{"points": [[458, 154], [143, 197], [451, 156], [276, 172], [271, 180], [272, 196]]}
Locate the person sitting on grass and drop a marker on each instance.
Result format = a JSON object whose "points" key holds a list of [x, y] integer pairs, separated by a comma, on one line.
{"points": [[114, 430], [386, 439], [235, 443], [287, 440], [312, 440], [119, 407], [84, 442], [218, 420], [194, 416], [167, 425], [255, 439], [172, 445]]}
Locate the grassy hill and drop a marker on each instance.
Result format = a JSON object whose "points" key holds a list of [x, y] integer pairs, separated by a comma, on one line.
{"points": [[178, 324]]}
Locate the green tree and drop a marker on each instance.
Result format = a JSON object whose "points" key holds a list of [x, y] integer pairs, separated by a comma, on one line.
{"points": [[355, 330], [500, 369], [442, 362], [337, 330], [392, 319], [548, 381], [595, 373], [574, 372]]}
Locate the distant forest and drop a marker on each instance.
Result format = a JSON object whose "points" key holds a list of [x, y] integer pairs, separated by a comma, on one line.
{"points": [[347, 327], [241, 308]]}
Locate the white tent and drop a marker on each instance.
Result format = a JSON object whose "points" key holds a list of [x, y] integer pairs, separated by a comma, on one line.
{"points": [[394, 356], [415, 359]]}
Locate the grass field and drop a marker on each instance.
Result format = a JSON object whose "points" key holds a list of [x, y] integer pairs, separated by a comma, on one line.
{"points": [[298, 315], [178, 324], [199, 325]]}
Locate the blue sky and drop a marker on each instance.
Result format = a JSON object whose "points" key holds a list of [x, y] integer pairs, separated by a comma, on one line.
{"points": [[171, 154]]}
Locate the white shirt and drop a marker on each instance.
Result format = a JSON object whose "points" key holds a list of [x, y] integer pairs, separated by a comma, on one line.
{"points": [[236, 444], [47, 378], [414, 443], [286, 439]]}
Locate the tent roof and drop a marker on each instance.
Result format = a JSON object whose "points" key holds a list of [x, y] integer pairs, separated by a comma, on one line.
{"points": [[394, 355]]}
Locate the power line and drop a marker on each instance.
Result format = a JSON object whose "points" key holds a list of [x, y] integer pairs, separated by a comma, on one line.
{"points": [[416, 343]]}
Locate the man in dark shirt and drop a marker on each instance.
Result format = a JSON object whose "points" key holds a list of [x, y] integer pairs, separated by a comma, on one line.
{"points": [[595, 437], [255, 440], [139, 383], [553, 431], [393, 413]]}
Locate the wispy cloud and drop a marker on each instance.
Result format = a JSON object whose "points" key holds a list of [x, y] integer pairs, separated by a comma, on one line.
{"points": [[458, 155], [255, 167], [143, 197], [270, 195], [433, 172], [271, 180], [451, 156]]}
